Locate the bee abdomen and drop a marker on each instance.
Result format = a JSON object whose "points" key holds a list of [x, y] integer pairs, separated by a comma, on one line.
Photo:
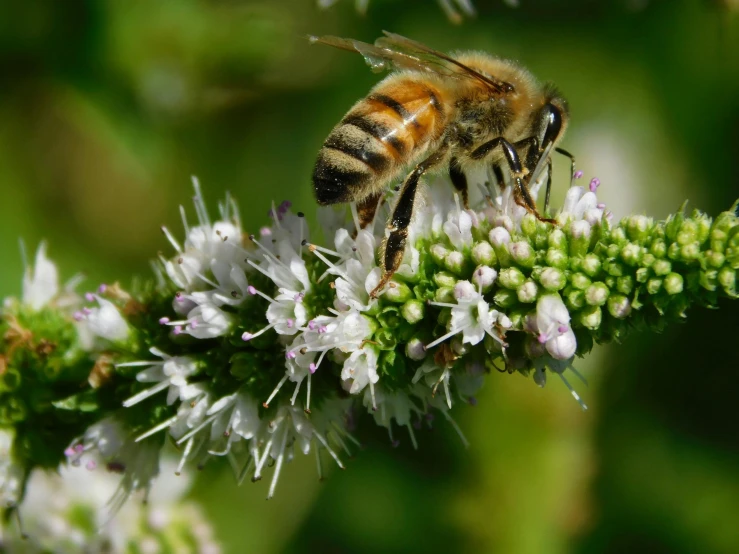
{"points": [[350, 159]]}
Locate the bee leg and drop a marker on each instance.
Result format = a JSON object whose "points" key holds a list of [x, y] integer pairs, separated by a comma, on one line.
{"points": [[459, 180], [367, 208], [394, 245], [521, 192], [572, 161], [549, 186]]}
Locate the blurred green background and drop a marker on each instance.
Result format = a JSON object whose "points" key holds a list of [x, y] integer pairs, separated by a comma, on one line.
{"points": [[108, 107]]}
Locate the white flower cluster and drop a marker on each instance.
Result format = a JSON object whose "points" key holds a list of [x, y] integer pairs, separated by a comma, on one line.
{"points": [[69, 512], [11, 473]]}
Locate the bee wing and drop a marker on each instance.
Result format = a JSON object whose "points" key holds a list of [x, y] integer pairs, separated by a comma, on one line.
{"points": [[410, 47], [397, 52]]}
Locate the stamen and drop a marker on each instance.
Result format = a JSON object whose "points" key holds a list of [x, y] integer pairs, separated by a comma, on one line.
{"points": [[413, 437], [154, 430], [199, 202], [444, 337], [307, 400], [278, 465], [143, 395], [247, 336], [454, 425], [573, 392], [185, 455], [260, 463], [295, 393], [318, 464], [355, 215], [327, 447], [172, 240], [274, 392]]}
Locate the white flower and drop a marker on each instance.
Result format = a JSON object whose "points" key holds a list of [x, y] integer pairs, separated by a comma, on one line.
{"points": [[360, 370], [11, 473], [69, 512], [552, 324], [40, 283], [581, 205], [105, 321], [472, 317], [111, 443], [458, 228], [171, 373]]}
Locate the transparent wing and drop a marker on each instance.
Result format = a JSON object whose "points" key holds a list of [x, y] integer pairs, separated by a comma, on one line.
{"points": [[397, 52]]}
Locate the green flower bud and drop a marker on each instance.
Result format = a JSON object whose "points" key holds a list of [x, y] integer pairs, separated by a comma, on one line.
{"points": [[625, 284], [704, 226], [715, 259], [673, 252], [590, 317], [511, 278], [483, 254], [580, 281], [454, 262], [413, 311], [638, 227], [690, 252], [618, 236], [654, 286], [580, 232], [556, 258], [444, 279], [527, 292], [631, 254], [661, 267], [438, 253], [445, 294], [614, 269], [688, 232], [386, 339], [619, 306], [558, 240], [642, 274], [522, 253], [397, 292], [591, 265], [727, 279], [648, 260], [552, 279], [658, 249], [505, 298], [528, 225], [574, 299], [597, 294], [500, 238], [708, 279], [673, 283], [674, 222], [10, 380]]}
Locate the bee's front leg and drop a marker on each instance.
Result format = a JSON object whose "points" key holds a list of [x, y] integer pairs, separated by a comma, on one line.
{"points": [[394, 245], [520, 192]]}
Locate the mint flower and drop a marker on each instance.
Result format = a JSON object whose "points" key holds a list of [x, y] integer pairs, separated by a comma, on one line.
{"points": [[269, 344], [68, 512]]}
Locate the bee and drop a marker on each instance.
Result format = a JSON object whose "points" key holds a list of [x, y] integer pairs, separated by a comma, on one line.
{"points": [[437, 111]]}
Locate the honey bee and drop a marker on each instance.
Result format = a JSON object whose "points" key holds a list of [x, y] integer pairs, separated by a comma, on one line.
{"points": [[434, 110]]}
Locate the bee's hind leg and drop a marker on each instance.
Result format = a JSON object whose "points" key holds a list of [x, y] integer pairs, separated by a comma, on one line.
{"points": [[394, 246]]}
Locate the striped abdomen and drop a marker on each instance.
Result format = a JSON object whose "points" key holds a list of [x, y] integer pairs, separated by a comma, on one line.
{"points": [[379, 136]]}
